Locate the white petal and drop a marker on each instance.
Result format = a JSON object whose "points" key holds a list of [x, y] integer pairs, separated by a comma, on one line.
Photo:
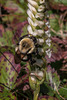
{"points": [[40, 73], [47, 15], [39, 32], [39, 62], [30, 21], [33, 24], [30, 14], [37, 73], [33, 79], [33, 10], [41, 8], [42, 1], [40, 23], [48, 33], [30, 29], [48, 42], [40, 41], [36, 23], [48, 52], [39, 15], [47, 23], [48, 26], [33, 3], [32, 73], [41, 51], [34, 34]]}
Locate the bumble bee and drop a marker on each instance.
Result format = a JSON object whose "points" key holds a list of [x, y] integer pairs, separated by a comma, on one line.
{"points": [[25, 47]]}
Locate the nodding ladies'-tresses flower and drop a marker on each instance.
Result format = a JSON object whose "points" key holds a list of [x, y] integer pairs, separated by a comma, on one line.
{"points": [[40, 41], [32, 9], [36, 14], [33, 3], [30, 14], [48, 52], [38, 74], [48, 42], [41, 8], [48, 33], [39, 62], [35, 23], [36, 32]]}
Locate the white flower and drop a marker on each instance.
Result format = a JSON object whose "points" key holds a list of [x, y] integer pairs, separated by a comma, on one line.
{"points": [[34, 33], [40, 23], [48, 42], [47, 23], [39, 15], [48, 33], [42, 1], [33, 3], [40, 74], [36, 23], [41, 8], [33, 79], [48, 52], [30, 29], [30, 14], [39, 62], [33, 10], [33, 24], [41, 51], [39, 32], [40, 41], [48, 26], [37, 73]]}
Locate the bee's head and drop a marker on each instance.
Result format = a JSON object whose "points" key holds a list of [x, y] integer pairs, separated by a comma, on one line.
{"points": [[26, 45]]}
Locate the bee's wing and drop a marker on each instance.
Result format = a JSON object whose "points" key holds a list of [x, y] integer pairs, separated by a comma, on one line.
{"points": [[16, 59]]}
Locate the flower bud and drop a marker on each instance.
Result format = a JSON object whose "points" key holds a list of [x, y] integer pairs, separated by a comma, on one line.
{"points": [[32, 82]]}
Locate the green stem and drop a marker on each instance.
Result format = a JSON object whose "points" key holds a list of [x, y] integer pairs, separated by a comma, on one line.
{"points": [[36, 92]]}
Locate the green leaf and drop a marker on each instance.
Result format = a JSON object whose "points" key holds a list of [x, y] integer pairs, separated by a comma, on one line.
{"points": [[7, 95], [47, 98], [8, 75], [54, 24], [6, 39], [7, 48], [63, 91], [2, 2], [12, 5], [61, 2], [21, 1], [64, 2], [46, 89]]}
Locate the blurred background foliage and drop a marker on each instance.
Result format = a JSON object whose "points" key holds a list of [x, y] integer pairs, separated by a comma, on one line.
{"points": [[14, 83]]}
